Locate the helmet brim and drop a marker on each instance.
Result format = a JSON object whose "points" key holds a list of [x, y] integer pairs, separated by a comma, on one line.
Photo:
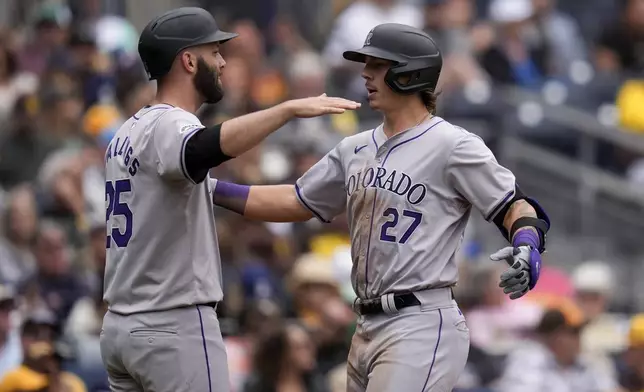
{"points": [[360, 55], [218, 36]]}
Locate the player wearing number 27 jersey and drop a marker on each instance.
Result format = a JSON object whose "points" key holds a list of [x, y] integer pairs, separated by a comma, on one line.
{"points": [[408, 188]]}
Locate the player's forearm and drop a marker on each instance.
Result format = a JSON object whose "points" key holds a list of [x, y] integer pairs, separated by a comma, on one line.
{"points": [[268, 203], [275, 203], [240, 134], [521, 209]]}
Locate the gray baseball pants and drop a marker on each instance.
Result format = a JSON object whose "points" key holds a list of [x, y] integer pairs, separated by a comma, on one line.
{"points": [[169, 351], [418, 348]]}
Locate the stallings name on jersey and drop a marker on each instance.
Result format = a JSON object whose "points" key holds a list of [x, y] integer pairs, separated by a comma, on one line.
{"points": [[395, 182], [122, 147]]}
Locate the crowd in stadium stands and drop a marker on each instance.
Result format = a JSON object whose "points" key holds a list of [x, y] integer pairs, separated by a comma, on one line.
{"points": [[66, 85]]}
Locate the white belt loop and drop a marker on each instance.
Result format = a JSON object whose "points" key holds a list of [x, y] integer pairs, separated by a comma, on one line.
{"points": [[388, 304]]}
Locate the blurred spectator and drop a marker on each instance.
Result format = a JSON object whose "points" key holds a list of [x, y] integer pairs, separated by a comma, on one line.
{"points": [[285, 361], [631, 362], [268, 86], [62, 108], [41, 369], [101, 121], [56, 283], [594, 282], [561, 36], [50, 25], [619, 47], [482, 367], [261, 266], [134, 92], [238, 80], [10, 347], [629, 101], [20, 224], [551, 361], [86, 316], [349, 31], [93, 69], [257, 318], [452, 24], [24, 145], [320, 306], [514, 58], [306, 75], [496, 323], [14, 82]]}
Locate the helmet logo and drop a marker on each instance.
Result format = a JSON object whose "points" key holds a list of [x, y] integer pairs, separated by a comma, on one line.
{"points": [[367, 42]]}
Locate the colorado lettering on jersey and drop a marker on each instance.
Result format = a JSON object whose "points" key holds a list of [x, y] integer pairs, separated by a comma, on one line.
{"points": [[123, 148], [395, 182]]}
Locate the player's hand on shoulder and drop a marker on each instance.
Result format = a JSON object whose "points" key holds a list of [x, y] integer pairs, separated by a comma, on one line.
{"points": [[320, 105], [525, 266]]}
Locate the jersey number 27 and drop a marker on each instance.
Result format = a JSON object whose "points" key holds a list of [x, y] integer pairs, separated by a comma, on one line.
{"points": [[115, 207], [415, 217]]}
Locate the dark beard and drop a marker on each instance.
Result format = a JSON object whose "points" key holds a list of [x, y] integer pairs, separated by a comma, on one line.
{"points": [[206, 82]]}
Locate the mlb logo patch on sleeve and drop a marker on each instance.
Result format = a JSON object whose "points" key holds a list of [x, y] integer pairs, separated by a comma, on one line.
{"points": [[189, 128]]}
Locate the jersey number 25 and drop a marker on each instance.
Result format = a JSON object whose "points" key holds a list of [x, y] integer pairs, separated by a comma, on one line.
{"points": [[115, 207]]}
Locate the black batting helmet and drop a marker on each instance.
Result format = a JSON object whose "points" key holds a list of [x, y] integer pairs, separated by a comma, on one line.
{"points": [[413, 51], [167, 35]]}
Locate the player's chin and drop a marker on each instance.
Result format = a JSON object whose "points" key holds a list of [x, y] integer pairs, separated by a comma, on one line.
{"points": [[373, 104]]}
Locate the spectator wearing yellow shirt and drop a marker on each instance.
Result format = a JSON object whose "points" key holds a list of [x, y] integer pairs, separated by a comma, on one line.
{"points": [[630, 101], [40, 370], [631, 371]]}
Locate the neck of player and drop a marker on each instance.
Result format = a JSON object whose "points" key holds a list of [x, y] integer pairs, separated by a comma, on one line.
{"points": [[404, 118], [179, 96]]}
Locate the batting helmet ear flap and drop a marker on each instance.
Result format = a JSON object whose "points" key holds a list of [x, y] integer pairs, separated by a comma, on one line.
{"points": [[420, 79]]}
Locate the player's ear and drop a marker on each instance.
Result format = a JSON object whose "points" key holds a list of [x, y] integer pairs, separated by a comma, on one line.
{"points": [[189, 61]]}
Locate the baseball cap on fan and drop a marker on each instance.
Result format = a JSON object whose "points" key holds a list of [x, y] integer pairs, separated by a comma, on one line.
{"points": [[52, 15], [510, 11], [562, 316], [593, 277]]}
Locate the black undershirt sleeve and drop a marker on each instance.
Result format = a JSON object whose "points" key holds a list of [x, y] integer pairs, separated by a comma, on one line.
{"points": [[203, 152]]}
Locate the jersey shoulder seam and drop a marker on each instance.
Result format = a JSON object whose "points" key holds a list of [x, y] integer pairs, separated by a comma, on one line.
{"points": [[155, 123], [458, 141]]}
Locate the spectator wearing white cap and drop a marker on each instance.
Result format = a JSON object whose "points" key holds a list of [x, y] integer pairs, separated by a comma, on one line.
{"points": [[350, 28], [562, 35], [594, 282], [514, 58]]}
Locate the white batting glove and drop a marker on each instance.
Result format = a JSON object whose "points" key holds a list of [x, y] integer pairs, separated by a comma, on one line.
{"points": [[522, 276]]}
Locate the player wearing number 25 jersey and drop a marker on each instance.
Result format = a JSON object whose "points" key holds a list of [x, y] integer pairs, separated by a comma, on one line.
{"points": [[162, 274], [408, 188]]}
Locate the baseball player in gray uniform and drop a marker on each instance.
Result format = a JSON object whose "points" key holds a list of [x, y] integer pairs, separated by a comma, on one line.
{"points": [[408, 187], [163, 273]]}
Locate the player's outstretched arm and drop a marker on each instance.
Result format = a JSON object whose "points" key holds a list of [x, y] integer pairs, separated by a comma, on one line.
{"points": [[268, 203], [206, 148], [318, 193], [243, 133], [492, 188]]}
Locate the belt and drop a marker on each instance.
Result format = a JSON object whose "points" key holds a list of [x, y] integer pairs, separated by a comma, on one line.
{"points": [[400, 301], [374, 306]]}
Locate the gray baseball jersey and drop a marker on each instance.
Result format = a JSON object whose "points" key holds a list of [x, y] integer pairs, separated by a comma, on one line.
{"points": [[408, 200], [162, 250]]}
